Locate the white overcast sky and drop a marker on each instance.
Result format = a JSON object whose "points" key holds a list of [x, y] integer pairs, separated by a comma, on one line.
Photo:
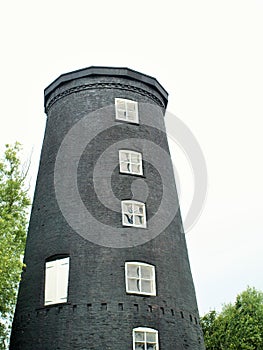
{"points": [[209, 56]]}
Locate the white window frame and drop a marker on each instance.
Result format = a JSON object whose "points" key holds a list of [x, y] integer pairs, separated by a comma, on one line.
{"points": [[123, 111], [56, 281], [144, 342], [139, 278], [130, 161], [137, 211]]}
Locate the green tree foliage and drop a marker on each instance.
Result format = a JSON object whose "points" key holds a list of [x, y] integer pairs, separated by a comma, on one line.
{"points": [[14, 203], [239, 326]]}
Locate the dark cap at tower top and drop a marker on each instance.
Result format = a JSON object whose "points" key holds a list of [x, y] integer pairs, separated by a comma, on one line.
{"points": [[106, 71]]}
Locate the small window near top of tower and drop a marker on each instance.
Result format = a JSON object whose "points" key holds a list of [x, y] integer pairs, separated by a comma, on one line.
{"points": [[126, 110], [133, 214], [145, 339], [130, 162], [56, 281], [140, 278]]}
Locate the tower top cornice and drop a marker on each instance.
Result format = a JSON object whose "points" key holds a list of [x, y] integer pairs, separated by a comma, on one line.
{"points": [[95, 71]]}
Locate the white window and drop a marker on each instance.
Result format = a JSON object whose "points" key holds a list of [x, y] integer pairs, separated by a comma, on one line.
{"points": [[56, 281], [145, 339], [126, 110], [140, 278], [130, 162], [133, 213]]}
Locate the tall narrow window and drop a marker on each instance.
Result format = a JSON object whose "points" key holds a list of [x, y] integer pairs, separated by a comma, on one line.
{"points": [[126, 110], [130, 162], [133, 213], [56, 281], [140, 278], [145, 339]]}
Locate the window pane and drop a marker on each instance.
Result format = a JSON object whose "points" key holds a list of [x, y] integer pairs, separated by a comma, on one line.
{"points": [[133, 271], [124, 156], [126, 167], [133, 285], [138, 208], [146, 272], [139, 336], [151, 337], [139, 346], [136, 168], [128, 219], [151, 347], [135, 158], [131, 106], [146, 286], [121, 114], [128, 208], [141, 209], [139, 220], [131, 116], [121, 104]]}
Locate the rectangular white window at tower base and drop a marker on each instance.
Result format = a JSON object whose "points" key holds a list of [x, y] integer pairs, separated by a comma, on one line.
{"points": [[145, 339], [140, 278], [133, 213], [126, 110], [56, 281], [130, 162]]}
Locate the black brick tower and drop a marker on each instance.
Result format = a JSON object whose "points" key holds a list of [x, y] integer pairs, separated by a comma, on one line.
{"points": [[106, 258]]}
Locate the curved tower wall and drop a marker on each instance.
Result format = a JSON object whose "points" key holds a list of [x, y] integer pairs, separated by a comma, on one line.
{"points": [[77, 214]]}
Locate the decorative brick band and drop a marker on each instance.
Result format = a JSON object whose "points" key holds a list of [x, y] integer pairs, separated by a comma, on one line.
{"points": [[104, 86], [96, 307]]}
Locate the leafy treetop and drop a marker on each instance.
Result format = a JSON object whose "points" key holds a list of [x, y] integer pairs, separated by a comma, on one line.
{"points": [[14, 203]]}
